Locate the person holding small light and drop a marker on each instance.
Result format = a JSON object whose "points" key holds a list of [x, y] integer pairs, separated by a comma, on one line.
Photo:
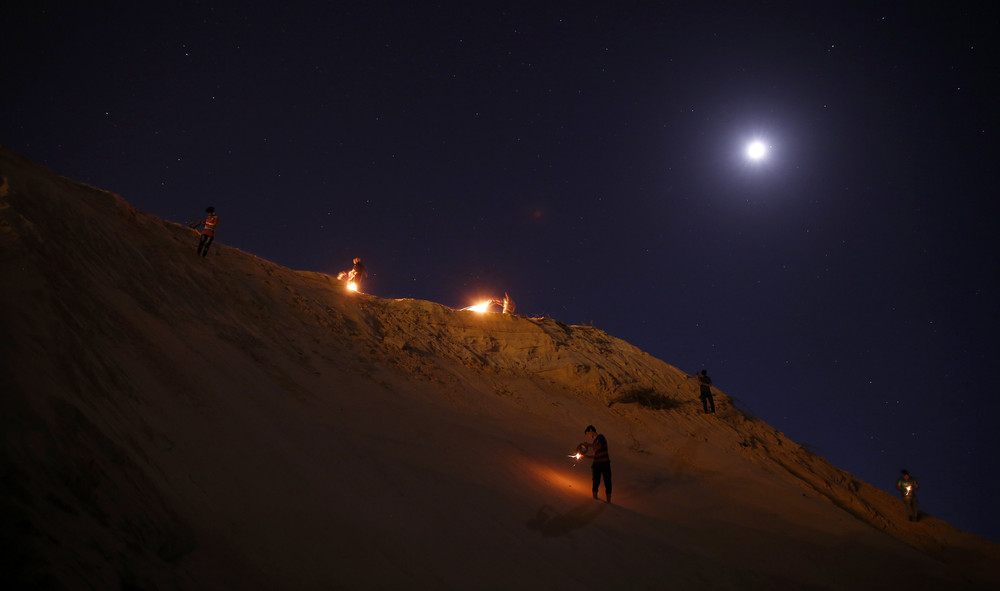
{"points": [[208, 226], [601, 467], [907, 486], [357, 273]]}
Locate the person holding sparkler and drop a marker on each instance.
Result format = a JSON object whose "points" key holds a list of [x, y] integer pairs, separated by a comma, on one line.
{"points": [[601, 467], [907, 486]]}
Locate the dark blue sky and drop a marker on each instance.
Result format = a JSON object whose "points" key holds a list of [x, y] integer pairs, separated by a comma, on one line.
{"points": [[588, 158]]}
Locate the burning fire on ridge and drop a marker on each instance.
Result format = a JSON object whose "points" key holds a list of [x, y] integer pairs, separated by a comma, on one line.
{"points": [[354, 276], [507, 304], [480, 307]]}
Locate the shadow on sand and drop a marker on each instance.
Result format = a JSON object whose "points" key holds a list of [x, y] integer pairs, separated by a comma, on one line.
{"points": [[554, 524]]}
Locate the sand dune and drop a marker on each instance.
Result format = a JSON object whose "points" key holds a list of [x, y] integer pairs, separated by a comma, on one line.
{"points": [[178, 422]]}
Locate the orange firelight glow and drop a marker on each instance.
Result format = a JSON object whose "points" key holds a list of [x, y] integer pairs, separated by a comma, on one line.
{"points": [[559, 478], [480, 307], [352, 286]]}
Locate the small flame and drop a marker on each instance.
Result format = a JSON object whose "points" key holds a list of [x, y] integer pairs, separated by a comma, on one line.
{"points": [[576, 456], [352, 286]]}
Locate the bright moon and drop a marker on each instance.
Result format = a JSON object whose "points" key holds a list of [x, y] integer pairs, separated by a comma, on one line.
{"points": [[756, 150]]}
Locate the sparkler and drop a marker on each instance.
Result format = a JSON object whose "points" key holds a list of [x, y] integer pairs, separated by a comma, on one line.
{"points": [[580, 450]]}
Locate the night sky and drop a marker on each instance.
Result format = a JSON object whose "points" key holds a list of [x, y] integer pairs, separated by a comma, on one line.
{"points": [[590, 159]]}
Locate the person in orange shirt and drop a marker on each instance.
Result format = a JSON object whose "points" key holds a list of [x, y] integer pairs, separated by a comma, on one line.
{"points": [[207, 231]]}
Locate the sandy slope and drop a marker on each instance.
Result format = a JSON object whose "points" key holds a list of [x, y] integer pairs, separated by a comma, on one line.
{"points": [[226, 423]]}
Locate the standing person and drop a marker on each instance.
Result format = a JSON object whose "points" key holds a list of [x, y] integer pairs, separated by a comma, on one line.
{"points": [[602, 463], [207, 230], [907, 486], [508, 304], [357, 273], [705, 383]]}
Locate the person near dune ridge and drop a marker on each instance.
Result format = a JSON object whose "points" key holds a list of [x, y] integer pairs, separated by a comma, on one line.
{"points": [[208, 226], [907, 486], [705, 384]]}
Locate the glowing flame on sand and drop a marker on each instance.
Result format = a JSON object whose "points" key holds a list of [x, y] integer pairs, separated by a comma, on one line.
{"points": [[480, 307], [352, 286]]}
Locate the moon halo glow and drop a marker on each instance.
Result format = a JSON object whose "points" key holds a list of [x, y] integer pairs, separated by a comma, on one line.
{"points": [[756, 150]]}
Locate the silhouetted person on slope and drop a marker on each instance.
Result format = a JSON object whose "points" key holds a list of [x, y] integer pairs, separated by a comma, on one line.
{"points": [[907, 486], [357, 273], [207, 231], [705, 383], [602, 463], [507, 303]]}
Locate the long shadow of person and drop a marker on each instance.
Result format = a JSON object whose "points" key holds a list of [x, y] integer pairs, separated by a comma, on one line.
{"points": [[553, 524]]}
